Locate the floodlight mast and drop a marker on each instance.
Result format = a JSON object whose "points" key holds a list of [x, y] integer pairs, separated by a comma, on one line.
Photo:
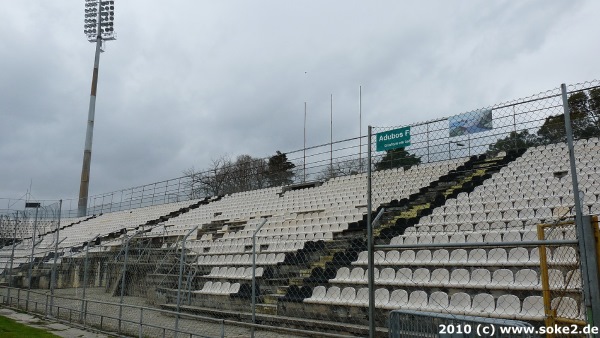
{"points": [[99, 17]]}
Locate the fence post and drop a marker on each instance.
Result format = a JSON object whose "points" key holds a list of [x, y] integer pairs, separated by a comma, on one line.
{"points": [[85, 274], [141, 322], [12, 257], [31, 258], [181, 261], [53, 272], [124, 273], [254, 273], [370, 253], [588, 255]]}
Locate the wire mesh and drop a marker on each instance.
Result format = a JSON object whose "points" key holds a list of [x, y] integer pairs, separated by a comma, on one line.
{"points": [[459, 206]]}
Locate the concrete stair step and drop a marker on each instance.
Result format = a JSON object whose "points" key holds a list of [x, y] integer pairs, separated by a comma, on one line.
{"points": [[268, 309]]}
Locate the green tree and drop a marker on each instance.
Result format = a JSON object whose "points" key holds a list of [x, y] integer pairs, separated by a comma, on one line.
{"points": [[515, 140], [280, 170], [397, 158], [584, 119]]}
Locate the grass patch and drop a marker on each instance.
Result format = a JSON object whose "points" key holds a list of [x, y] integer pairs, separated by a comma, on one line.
{"points": [[10, 328]]}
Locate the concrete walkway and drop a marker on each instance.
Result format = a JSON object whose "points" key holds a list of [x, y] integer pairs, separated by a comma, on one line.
{"points": [[56, 328]]}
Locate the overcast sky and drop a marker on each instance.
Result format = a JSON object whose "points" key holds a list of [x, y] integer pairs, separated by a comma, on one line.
{"points": [[188, 81]]}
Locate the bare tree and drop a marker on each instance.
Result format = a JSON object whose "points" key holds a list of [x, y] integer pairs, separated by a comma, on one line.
{"points": [[341, 168]]}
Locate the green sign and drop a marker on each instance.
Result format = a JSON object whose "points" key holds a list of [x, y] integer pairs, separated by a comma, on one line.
{"points": [[397, 138]]}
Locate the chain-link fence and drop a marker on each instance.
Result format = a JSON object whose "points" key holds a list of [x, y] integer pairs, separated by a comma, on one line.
{"points": [[456, 205]]}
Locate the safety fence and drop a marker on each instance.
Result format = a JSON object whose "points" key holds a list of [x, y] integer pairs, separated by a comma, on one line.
{"points": [[472, 215]]}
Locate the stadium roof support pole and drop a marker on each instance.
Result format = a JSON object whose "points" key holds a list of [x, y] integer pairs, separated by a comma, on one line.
{"points": [[89, 134], [587, 248]]}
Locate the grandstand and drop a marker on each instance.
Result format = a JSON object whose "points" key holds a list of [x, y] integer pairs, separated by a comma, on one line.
{"points": [[311, 252]]}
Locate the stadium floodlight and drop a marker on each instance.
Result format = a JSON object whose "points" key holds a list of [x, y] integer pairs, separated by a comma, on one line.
{"points": [[98, 26]]}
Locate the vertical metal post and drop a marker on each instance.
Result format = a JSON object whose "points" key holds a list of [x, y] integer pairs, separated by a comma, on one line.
{"points": [[469, 143], [123, 278], [85, 273], [31, 257], [304, 160], [181, 261], [515, 126], [89, 134], [331, 134], [589, 279], [53, 273], [12, 257], [360, 129], [370, 253], [254, 273], [427, 133], [141, 331]]}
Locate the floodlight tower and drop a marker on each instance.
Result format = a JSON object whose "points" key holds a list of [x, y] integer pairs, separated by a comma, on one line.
{"points": [[98, 27]]}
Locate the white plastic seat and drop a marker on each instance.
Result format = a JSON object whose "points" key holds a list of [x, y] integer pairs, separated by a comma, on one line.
{"points": [[497, 256], [363, 258], [530, 235], [379, 257], [477, 256], [440, 256], [526, 278], [206, 287], [493, 237], [398, 299], [421, 276], [518, 256], [386, 276], [564, 255], [566, 307], [214, 289], [439, 277], [407, 257], [357, 275], [392, 257], [503, 278], [483, 304], [362, 297], [440, 239], [382, 297], [458, 256], [533, 308], [512, 236], [475, 237], [417, 300], [460, 302], [508, 306], [423, 257], [459, 277], [403, 276], [342, 275], [347, 296], [480, 277], [556, 279], [425, 239], [332, 296], [318, 295], [234, 288], [438, 301]]}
